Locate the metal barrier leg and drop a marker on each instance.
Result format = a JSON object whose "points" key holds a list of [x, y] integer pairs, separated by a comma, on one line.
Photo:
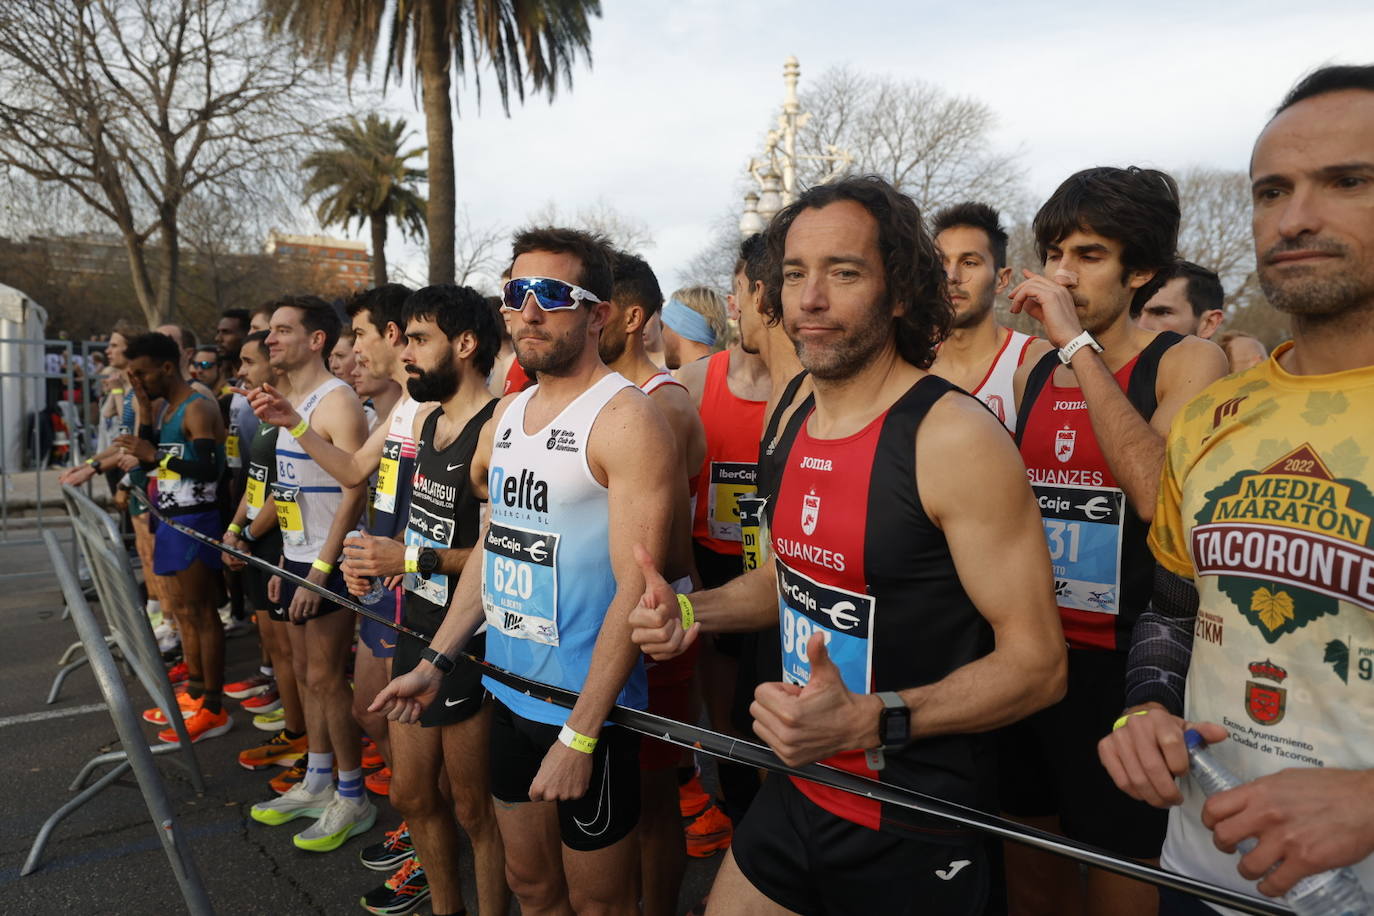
{"points": [[41, 841], [71, 650], [113, 757], [62, 677]]}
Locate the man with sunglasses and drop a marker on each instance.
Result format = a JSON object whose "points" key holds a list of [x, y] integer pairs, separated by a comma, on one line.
{"points": [[579, 469]]}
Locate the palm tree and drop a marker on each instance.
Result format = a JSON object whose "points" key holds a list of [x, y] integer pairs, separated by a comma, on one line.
{"points": [[365, 177], [534, 40]]}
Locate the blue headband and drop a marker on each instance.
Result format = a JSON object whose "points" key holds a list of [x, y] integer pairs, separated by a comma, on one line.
{"points": [[687, 323]]}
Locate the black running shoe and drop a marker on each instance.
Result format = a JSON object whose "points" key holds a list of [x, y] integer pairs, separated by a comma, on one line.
{"points": [[394, 849], [403, 892]]}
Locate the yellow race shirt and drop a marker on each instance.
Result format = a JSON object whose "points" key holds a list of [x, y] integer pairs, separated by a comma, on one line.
{"points": [[1267, 503]]}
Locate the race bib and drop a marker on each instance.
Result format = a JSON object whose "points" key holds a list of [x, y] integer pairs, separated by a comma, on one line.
{"points": [[388, 474], [176, 450], [231, 447], [805, 607], [754, 536], [256, 489], [425, 529], [729, 481], [520, 582], [289, 517], [1083, 527]]}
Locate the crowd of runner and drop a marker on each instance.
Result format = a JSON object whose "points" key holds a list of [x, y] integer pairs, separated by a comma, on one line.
{"points": [[841, 511]]}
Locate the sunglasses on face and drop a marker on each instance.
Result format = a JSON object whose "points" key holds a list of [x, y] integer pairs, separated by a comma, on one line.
{"points": [[205, 363], [551, 295]]}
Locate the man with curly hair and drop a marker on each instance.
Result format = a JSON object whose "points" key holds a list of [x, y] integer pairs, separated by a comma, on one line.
{"points": [[909, 579]]}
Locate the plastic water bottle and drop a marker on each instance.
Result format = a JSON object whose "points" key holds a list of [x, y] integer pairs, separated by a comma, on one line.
{"points": [[1331, 893], [374, 594]]}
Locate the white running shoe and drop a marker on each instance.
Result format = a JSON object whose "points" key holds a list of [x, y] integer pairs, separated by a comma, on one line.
{"points": [[296, 802], [345, 817]]}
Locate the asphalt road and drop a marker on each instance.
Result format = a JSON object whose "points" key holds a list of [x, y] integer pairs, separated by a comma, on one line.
{"points": [[106, 857]]}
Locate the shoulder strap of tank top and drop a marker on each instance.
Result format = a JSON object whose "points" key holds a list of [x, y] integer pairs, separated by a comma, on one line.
{"points": [[920, 396], [789, 394], [1140, 390], [1035, 381], [717, 374], [656, 382], [429, 427]]}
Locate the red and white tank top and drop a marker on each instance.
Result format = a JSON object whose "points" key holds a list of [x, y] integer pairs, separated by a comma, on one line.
{"points": [[996, 390]]}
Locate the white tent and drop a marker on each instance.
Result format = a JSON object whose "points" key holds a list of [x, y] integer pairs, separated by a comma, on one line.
{"points": [[22, 324]]}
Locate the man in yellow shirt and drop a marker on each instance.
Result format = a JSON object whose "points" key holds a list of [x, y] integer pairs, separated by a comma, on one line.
{"points": [[1266, 504]]}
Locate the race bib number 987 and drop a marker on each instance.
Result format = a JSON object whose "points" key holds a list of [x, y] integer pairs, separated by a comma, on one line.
{"points": [[520, 582], [844, 618]]}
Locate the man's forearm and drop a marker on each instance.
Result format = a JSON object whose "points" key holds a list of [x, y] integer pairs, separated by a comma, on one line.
{"points": [[464, 614], [613, 659], [1134, 451], [350, 469], [745, 604], [350, 508]]}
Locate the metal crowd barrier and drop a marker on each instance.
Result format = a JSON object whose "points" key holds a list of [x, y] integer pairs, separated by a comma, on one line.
{"points": [[132, 636]]}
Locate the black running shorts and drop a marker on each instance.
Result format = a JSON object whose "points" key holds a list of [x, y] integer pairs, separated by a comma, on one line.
{"points": [[602, 817], [1047, 765], [335, 583], [460, 691], [806, 859]]}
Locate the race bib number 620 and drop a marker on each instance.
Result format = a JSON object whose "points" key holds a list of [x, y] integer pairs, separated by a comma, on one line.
{"points": [[520, 582]]}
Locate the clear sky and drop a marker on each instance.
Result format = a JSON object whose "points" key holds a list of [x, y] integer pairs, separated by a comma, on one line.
{"points": [[680, 94]]}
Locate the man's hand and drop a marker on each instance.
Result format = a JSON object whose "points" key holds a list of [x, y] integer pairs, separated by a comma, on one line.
{"points": [[126, 463], [270, 406], [406, 697], [656, 622], [1307, 820], [806, 724], [143, 404], [1050, 303], [369, 555], [274, 589], [233, 540], [1145, 755], [563, 776], [305, 603], [75, 477], [138, 447]]}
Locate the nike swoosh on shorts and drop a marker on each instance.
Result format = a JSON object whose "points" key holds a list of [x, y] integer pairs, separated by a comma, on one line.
{"points": [[456, 702]]}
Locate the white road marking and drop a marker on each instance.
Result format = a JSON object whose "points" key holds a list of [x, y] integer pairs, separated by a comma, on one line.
{"points": [[51, 714]]}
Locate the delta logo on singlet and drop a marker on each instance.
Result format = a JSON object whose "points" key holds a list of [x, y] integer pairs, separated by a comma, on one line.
{"points": [[524, 491], [1288, 542]]}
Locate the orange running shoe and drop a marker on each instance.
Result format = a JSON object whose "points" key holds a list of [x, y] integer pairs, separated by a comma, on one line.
{"points": [[278, 750], [187, 705], [372, 758], [692, 799], [283, 781], [378, 782], [709, 833], [204, 724]]}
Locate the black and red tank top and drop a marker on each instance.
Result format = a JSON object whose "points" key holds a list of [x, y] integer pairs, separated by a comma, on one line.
{"points": [[859, 561], [1103, 570], [733, 427]]}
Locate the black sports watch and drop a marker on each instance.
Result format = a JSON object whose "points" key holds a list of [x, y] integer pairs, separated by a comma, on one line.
{"points": [[437, 659], [894, 721], [427, 561]]}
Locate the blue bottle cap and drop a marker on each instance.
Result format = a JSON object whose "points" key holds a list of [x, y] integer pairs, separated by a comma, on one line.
{"points": [[1193, 739]]}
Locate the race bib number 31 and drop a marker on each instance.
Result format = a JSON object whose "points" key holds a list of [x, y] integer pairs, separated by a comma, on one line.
{"points": [[1083, 527], [805, 607], [289, 517], [520, 582]]}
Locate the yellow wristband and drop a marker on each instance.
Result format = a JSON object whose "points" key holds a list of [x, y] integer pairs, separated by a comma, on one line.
{"points": [[116, 391], [236, 527], [165, 459], [412, 560], [575, 741], [689, 616], [322, 566], [299, 429], [1122, 721]]}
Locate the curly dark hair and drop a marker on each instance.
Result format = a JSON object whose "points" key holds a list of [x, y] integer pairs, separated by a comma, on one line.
{"points": [[913, 270], [589, 248], [456, 309]]}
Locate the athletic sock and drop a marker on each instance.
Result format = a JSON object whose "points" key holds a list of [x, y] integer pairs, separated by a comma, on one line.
{"points": [[293, 736], [195, 689], [351, 784], [213, 701], [319, 771]]}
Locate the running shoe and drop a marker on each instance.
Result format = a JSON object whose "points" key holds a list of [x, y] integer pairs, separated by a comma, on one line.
{"points": [[187, 705], [394, 849], [378, 782], [343, 818], [692, 799], [167, 639], [709, 833], [204, 724], [278, 750], [273, 721], [404, 892], [291, 776], [297, 802], [372, 758], [263, 703], [249, 687], [178, 674]]}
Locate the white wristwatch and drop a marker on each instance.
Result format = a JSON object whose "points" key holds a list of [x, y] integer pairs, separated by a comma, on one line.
{"points": [[1085, 339]]}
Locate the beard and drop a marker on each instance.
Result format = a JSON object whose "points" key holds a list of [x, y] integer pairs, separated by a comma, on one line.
{"points": [[1305, 291], [855, 348], [974, 314], [611, 345], [557, 358], [437, 384]]}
